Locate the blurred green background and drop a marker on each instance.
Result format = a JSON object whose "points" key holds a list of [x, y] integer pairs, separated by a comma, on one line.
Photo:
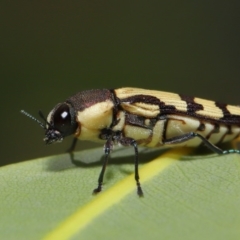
{"points": [[52, 49]]}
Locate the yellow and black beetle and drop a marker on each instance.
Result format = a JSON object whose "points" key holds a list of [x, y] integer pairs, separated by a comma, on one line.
{"points": [[133, 117]]}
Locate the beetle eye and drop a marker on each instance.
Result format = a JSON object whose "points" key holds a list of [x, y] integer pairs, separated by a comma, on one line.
{"points": [[63, 120]]}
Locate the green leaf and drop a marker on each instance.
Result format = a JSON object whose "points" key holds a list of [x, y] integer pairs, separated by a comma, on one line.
{"points": [[195, 198]]}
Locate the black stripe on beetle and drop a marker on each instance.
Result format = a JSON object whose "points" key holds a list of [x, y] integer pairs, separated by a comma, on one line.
{"points": [[192, 107], [227, 116]]}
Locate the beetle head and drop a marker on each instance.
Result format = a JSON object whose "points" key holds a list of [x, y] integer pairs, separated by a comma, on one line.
{"points": [[61, 122]]}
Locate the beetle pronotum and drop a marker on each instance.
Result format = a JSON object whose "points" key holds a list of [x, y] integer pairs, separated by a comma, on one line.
{"points": [[133, 116]]}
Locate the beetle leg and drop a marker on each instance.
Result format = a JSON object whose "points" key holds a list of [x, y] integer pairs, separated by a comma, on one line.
{"points": [[125, 141], [107, 150], [73, 145], [191, 135]]}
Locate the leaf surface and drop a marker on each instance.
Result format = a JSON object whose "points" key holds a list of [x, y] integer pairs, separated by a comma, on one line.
{"points": [[197, 197]]}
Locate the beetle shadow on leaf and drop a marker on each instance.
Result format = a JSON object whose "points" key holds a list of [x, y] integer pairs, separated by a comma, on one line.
{"points": [[95, 157], [123, 155]]}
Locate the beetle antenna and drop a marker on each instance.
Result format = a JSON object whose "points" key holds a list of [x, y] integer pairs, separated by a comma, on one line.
{"points": [[43, 117], [33, 118]]}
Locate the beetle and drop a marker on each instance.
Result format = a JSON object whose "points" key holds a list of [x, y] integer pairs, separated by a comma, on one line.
{"points": [[139, 117]]}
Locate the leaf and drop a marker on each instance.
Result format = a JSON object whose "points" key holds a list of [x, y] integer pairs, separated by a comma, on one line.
{"points": [[195, 198]]}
